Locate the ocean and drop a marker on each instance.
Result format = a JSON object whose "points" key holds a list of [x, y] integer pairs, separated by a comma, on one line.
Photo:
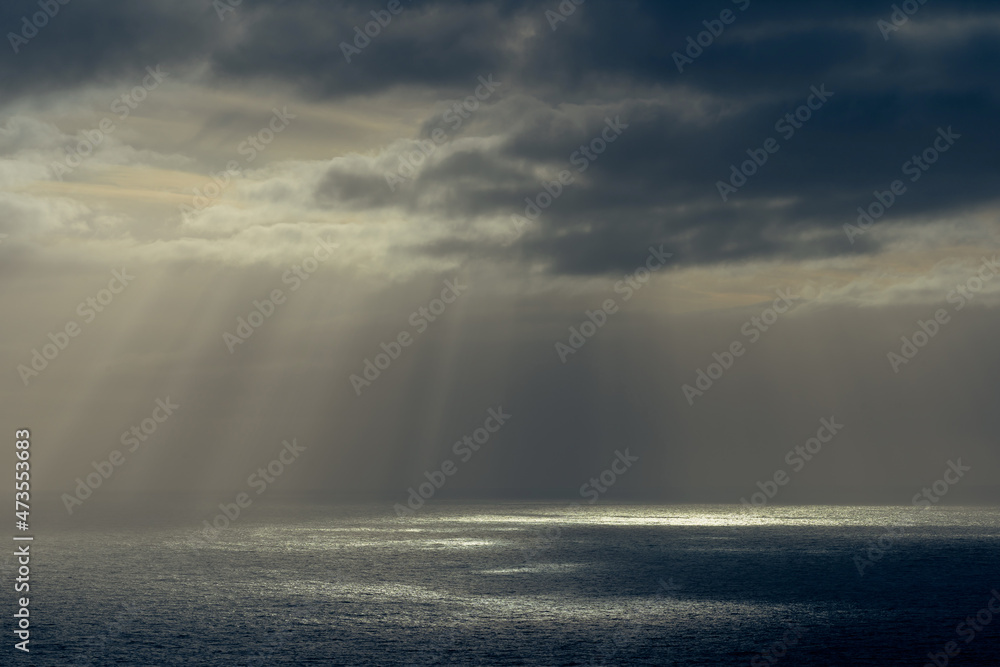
{"points": [[526, 584]]}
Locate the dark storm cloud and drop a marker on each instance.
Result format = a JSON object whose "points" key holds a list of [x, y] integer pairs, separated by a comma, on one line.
{"points": [[97, 43], [657, 183], [767, 50], [425, 44]]}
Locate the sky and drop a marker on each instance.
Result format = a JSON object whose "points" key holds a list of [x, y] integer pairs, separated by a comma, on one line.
{"points": [[689, 236]]}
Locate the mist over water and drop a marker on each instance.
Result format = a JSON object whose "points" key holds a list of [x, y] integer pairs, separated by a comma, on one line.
{"points": [[525, 584]]}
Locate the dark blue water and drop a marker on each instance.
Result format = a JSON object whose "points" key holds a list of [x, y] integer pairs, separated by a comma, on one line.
{"points": [[525, 584]]}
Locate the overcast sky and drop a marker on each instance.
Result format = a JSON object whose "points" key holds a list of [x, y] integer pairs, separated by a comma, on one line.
{"points": [[674, 170]]}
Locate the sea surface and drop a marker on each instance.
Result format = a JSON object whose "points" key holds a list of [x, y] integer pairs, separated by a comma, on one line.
{"points": [[524, 584]]}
